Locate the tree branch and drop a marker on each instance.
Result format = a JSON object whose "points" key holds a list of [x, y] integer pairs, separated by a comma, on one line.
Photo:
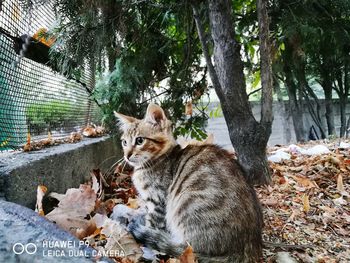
{"points": [[201, 35], [253, 92], [265, 64]]}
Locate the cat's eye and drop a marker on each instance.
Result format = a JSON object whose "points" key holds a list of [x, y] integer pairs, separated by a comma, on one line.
{"points": [[124, 142], [139, 140]]}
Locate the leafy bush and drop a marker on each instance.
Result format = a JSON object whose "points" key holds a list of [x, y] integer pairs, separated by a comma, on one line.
{"points": [[49, 116]]}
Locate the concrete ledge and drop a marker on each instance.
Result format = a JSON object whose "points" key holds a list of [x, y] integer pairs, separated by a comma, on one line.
{"points": [[59, 168], [22, 225]]}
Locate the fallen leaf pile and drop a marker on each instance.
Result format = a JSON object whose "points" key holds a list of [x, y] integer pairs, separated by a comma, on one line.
{"points": [[89, 131], [306, 209], [50, 141], [85, 212], [93, 131]]}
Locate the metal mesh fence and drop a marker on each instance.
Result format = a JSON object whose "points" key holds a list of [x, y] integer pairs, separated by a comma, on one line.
{"points": [[33, 98]]}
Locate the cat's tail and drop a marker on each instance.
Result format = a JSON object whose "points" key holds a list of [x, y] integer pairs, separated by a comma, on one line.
{"points": [[161, 241], [157, 239]]}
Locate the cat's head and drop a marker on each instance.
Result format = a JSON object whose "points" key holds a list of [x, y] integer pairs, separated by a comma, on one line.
{"points": [[145, 140]]}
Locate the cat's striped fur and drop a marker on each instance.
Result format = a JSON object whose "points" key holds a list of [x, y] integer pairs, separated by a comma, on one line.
{"points": [[196, 195]]}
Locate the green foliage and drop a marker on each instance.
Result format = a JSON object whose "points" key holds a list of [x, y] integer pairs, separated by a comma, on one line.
{"points": [[50, 115], [216, 112], [160, 47], [192, 128], [118, 90]]}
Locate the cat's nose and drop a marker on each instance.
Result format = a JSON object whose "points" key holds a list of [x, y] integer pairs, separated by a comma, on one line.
{"points": [[128, 155]]}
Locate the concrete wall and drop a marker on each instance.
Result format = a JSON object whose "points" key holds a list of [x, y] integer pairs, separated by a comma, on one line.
{"points": [[58, 168], [282, 127]]}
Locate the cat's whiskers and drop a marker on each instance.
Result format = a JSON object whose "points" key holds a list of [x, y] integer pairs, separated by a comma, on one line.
{"points": [[112, 166], [107, 160], [124, 165]]}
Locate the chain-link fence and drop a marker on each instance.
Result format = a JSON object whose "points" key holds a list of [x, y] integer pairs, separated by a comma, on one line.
{"points": [[34, 98]]}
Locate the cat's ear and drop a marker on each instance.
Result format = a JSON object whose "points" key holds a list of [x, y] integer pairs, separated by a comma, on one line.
{"points": [[123, 120], [155, 114]]}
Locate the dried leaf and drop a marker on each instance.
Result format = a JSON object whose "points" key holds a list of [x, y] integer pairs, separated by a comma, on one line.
{"points": [[334, 160], [118, 239], [73, 210], [47, 141], [41, 191], [75, 137], [189, 108], [340, 185], [340, 201], [27, 147], [95, 184], [133, 203], [173, 260], [285, 257], [188, 256], [270, 202], [306, 203], [100, 130], [89, 132], [305, 182]]}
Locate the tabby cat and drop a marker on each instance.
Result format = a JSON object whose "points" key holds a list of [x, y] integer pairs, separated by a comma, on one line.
{"points": [[195, 195]]}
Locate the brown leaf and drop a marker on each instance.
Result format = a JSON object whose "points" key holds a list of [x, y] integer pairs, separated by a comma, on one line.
{"points": [[47, 141], [73, 209], [270, 202], [89, 132], [41, 191], [118, 239], [334, 160], [75, 137], [188, 256], [306, 203], [27, 147], [304, 181], [340, 185], [133, 203], [189, 108], [282, 180], [86, 229]]}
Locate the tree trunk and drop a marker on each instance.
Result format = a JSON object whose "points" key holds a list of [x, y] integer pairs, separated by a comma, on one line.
{"points": [[265, 64], [342, 107], [309, 95], [248, 137], [294, 106], [326, 83], [347, 128], [327, 88], [342, 89]]}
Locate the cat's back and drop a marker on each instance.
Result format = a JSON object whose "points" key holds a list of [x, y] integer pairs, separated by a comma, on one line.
{"points": [[210, 202], [207, 160], [208, 174]]}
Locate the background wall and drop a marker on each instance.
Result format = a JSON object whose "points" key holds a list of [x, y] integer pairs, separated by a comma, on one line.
{"points": [[282, 127]]}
